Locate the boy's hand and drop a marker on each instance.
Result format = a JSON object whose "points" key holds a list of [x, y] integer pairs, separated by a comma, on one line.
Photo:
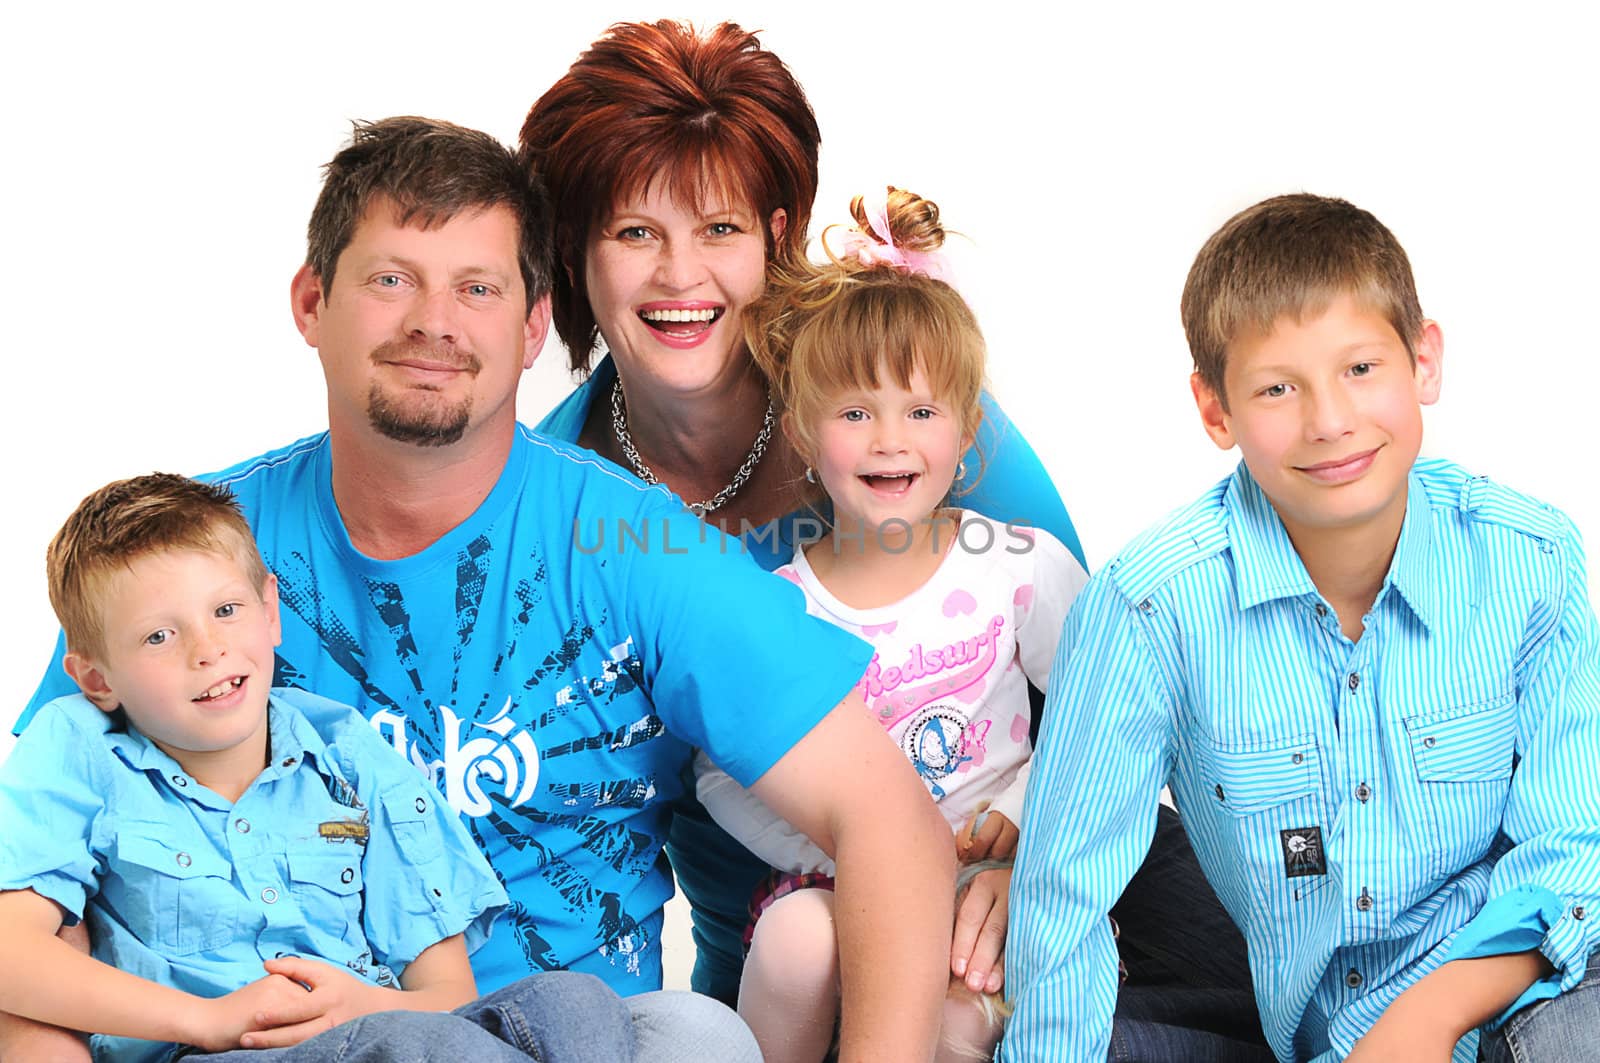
{"points": [[334, 997], [977, 953], [986, 836], [221, 1023]]}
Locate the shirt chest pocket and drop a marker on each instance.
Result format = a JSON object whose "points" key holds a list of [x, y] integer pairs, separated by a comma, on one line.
{"points": [[325, 878], [178, 900], [1270, 806], [1463, 759]]}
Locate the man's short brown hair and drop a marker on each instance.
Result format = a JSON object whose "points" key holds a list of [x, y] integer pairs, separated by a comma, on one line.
{"points": [[430, 171], [130, 519], [1292, 255]]}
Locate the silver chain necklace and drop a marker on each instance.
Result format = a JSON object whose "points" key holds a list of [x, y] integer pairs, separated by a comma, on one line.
{"points": [[619, 426]]}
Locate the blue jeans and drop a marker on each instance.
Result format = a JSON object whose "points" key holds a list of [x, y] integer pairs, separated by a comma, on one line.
{"points": [[1563, 1030], [1188, 998], [561, 1017]]}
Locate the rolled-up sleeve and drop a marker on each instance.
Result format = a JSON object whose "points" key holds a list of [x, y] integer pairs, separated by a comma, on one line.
{"points": [[1103, 753]]}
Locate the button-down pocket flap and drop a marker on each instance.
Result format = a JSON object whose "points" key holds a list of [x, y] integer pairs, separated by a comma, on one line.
{"points": [[1473, 743], [171, 860], [1250, 780], [337, 870], [405, 805]]}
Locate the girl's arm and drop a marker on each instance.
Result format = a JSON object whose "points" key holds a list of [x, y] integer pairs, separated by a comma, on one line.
{"points": [[45, 979], [752, 824], [440, 979]]}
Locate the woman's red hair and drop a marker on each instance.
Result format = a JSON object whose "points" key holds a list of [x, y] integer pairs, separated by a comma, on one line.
{"points": [[711, 114]]}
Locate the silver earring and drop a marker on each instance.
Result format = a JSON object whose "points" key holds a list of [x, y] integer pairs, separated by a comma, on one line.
{"points": [[811, 475], [961, 470]]}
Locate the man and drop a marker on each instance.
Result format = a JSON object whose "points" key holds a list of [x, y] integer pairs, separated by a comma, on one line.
{"points": [[424, 552]]}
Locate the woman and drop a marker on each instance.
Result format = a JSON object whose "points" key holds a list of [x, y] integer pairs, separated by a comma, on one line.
{"points": [[680, 168]]}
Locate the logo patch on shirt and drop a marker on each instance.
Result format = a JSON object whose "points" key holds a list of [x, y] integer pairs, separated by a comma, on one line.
{"points": [[1302, 852], [341, 830]]}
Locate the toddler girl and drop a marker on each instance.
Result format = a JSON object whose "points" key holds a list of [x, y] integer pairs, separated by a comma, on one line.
{"points": [[877, 363]]}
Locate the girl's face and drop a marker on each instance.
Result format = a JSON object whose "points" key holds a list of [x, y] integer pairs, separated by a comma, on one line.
{"points": [[889, 453], [667, 284]]}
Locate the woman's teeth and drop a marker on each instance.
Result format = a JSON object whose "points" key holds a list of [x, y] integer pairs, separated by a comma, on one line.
{"points": [[708, 314]]}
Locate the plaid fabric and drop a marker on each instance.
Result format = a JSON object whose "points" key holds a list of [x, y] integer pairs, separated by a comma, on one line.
{"points": [[780, 884]]}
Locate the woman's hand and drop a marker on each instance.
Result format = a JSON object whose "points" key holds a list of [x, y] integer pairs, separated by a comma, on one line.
{"points": [[977, 953]]}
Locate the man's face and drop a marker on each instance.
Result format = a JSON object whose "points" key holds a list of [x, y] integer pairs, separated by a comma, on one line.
{"points": [[423, 333], [1327, 415]]}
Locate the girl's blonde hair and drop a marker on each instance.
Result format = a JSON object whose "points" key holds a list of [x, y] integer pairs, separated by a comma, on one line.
{"points": [[823, 329]]}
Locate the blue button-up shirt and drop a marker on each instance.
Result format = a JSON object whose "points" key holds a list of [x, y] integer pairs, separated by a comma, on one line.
{"points": [[1365, 810], [340, 850]]}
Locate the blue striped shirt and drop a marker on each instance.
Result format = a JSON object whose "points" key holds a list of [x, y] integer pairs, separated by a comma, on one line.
{"points": [[1366, 810]]}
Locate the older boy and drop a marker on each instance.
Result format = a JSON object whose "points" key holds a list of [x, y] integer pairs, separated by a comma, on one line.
{"points": [[1370, 681], [220, 845]]}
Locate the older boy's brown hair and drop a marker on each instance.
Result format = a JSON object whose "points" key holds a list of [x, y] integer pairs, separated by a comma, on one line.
{"points": [[1292, 255], [130, 519]]}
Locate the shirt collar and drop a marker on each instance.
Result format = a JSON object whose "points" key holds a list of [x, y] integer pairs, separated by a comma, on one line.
{"points": [[291, 739], [1267, 567]]}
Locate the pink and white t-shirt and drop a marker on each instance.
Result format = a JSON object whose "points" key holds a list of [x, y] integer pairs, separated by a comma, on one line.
{"points": [[949, 680]]}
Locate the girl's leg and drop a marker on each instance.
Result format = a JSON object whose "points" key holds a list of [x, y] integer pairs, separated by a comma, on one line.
{"points": [[789, 993]]}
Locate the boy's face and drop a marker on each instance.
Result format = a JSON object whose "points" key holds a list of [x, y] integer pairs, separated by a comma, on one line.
{"points": [[1327, 415], [188, 654]]}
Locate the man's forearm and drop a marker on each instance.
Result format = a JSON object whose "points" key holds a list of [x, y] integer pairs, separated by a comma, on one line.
{"points": [[1428, 1019], [894, 907]]}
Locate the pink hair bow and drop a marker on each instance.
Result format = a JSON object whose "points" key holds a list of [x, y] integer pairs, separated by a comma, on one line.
{"points": [[871, 252]]}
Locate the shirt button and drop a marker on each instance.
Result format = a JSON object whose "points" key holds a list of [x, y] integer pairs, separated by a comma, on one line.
{"points": [[184, 860], [886, 712], [1322, 610], [1577, 912], [1297, 758], [422, 806], [288, 762], [1364, 902], [242, 826], [1353, 979], [1427, 743], [269, 895], [179, 780], [1220, 795], [1363, 793], [1355, 681], [347, 874]]}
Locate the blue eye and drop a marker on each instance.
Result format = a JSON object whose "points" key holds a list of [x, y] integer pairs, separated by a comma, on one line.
{"points": [[1361, 369], [157, 638], [723, 228], [923, 413], [1276, 391], [479, 290], [387, 280], [227, 609], [854, 416], [633, 232]]}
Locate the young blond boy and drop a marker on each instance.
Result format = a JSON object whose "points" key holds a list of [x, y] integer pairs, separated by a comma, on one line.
{"points": [[1371, 681], [255, 868]]}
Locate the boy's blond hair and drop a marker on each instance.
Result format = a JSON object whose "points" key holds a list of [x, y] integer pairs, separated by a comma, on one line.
{"points": [[1292, 255], [130, 519]]}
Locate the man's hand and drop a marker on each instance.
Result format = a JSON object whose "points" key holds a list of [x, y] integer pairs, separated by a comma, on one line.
{"points": [[986, 836], [977, 953], [324, 997], [220, 1024]]}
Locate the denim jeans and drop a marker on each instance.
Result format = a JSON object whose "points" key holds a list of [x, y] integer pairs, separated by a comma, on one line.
{"points": [[562, 1017], [1188, 998], [1563, 1030]]}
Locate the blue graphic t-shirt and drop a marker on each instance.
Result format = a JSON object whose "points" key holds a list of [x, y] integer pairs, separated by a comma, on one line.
{"points": [[549, 663]]}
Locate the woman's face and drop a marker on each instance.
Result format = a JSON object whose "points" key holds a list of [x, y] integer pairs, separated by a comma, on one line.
{"points": [[667, 284]]}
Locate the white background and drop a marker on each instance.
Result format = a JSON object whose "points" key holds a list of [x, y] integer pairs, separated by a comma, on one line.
{"points": [[162, 160]]}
